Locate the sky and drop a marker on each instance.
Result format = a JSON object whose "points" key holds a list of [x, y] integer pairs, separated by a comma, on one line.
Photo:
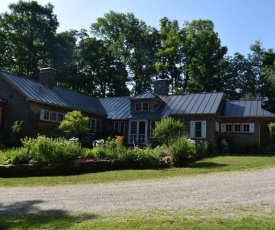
{"points": [[239, 23]]}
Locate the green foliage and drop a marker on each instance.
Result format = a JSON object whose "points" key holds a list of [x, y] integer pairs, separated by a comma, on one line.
{"points": [[48, 150], [28, 35], [271, 128], [75, 123], [17, 156], [169, 130], [13, 139], [184, 148]]}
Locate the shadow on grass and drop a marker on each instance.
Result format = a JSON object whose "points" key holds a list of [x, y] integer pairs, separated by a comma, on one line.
{"points": [[207, 165], [26, 215]]}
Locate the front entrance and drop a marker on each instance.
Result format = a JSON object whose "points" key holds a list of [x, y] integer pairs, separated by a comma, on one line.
{"points": [[138, 132]]}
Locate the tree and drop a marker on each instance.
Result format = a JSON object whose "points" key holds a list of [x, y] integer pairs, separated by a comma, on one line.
{"points": [[105, 74], [132, 42], [74, 124], [202, 54], [169, 63], [169, 130], [27, 34]]}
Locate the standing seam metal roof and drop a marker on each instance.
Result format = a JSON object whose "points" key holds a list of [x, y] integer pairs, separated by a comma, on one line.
{"points": [[244, 109], [36, 91]]}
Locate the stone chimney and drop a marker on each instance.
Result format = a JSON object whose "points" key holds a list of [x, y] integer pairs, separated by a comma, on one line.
{"points": [[161, 86], [47, 76]]}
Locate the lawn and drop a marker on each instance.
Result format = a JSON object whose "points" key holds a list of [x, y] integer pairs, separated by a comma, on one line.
{"points": [[157, 219], [149, 219], [207, 165]]}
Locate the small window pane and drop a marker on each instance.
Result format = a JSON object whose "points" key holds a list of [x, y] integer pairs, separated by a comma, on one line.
{"points": [[138, 106], [146, 106], [246, 128], [198, 128], [228, 127]]}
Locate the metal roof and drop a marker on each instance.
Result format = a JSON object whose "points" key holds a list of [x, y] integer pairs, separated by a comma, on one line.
{"points": [[36, 91], [194, 103], [145, 95], [116, 107], [245, 108], [201, 103]]}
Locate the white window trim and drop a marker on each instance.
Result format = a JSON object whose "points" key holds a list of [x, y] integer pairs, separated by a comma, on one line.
{"points": [[63, 117], [251, 127], [193, 129], [42, 115], [234, 127], [130, 127], [56, 114]]}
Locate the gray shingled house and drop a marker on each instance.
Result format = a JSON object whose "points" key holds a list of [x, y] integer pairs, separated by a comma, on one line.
{"points": [[41, 105]]}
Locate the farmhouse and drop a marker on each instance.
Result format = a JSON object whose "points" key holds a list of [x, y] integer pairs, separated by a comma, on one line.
{"points": [[42, 105]]}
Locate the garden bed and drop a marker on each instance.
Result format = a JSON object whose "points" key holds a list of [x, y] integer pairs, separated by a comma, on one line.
{"points": [[78, 166]]}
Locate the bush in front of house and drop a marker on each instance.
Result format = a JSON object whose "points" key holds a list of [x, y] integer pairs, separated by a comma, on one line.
{"points": [[182, 149], [168, 130], [44, 150]]}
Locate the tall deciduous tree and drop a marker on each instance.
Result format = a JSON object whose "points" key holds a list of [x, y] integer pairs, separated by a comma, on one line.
{"points": [[203, 53], [27, 33], [169, 55], [130, 40]]}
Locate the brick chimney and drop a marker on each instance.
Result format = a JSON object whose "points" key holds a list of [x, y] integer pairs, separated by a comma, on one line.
{"points": [[47, 76], [161, 86]]}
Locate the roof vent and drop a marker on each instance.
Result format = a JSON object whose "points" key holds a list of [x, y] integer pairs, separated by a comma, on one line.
{"points": [[47, 76]]}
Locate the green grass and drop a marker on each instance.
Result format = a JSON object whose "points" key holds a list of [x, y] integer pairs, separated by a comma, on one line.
{"points": [[134, 220], [207, 165]]}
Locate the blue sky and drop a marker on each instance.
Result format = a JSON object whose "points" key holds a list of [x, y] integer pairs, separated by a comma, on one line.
{"points": [[239, 23]]}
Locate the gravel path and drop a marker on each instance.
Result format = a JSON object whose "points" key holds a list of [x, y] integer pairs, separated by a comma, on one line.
{"points": [[221, 190]]}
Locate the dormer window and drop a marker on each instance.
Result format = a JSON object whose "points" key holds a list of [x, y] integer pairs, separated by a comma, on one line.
{"points": [[142, 106]]}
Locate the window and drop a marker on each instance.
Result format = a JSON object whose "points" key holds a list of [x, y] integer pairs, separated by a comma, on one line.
{"points": [[119, 127], [138, 106], [142, 106], [237, 128], [228, 128], [94, 125], [145, 106], [45, 115], [248, 128], [198, 129], [152, 128], [61, 117], [138, 134], [54, 116]]}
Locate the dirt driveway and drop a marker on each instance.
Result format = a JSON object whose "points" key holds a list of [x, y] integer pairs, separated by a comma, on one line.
{"points": [[220, 190]]}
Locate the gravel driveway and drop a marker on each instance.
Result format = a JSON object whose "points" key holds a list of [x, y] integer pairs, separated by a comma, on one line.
{"points": [[219, 190]]}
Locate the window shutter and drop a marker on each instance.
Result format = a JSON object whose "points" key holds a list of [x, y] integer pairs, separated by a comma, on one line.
{"points": [[192, 129], [251, 127], [203, 129], [223, 127], [42, 114]]}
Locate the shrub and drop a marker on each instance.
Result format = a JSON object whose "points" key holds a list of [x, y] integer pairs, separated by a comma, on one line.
{"points": [[17, 156], [180, 152], [169, 130], [145, 157], [75, 123], [48, 150]]}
